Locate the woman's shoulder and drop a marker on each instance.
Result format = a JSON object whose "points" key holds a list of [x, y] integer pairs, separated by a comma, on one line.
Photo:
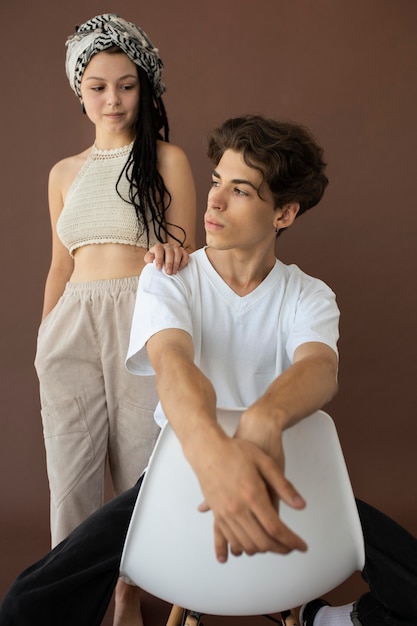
{"points": [[64, 171], [168, 152], [173, 165]]}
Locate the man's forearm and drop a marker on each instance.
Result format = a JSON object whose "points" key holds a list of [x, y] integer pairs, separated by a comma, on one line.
{"points": [[187, 396], [306, 386]]}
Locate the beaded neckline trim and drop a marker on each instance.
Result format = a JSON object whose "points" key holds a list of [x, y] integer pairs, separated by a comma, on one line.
{"points": [[97, 153]]}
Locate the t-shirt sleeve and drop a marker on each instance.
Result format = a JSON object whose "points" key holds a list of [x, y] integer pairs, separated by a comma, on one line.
{"points": [[162, 302], [316, 317]]}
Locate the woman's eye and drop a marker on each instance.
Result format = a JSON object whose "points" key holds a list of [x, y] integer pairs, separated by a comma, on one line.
{"points": [[240, 192], [215, 183]]}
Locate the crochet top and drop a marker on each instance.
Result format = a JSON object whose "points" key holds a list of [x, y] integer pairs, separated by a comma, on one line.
{"points": [[94, 212]]}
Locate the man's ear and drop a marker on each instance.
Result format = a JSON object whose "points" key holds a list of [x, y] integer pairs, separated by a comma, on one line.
{"points": [[286, 215]]}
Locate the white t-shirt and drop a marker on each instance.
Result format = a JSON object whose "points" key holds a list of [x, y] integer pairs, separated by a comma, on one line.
{"points": [[241, 343]]}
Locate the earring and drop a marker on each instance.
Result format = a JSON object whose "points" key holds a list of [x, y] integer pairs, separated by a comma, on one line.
{"points": [[83, 108]]}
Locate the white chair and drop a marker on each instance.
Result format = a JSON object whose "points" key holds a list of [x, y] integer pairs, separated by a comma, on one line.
{"points": [[169, 545]]}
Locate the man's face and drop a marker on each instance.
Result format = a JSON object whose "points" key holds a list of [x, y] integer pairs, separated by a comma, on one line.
{"points": [[236, 216]]}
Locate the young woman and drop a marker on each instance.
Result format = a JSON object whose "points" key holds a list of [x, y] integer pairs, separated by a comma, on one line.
{"points": [[130, 192]]}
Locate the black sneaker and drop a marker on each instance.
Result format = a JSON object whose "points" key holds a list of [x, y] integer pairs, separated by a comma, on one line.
{"points": [[309, 611]]}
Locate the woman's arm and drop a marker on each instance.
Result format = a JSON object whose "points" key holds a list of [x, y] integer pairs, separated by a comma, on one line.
{"points": [[61, 263], [175, 169]]}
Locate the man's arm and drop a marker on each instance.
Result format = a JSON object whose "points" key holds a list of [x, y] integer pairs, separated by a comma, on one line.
{"points": [[236, 476], [306, 386]]}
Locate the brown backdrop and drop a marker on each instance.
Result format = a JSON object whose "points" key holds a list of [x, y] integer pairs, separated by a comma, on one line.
{"points": [[347, 69]]}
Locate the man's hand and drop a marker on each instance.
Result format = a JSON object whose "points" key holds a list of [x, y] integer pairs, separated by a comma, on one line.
{"points": [[169, 256], [241, 485]]}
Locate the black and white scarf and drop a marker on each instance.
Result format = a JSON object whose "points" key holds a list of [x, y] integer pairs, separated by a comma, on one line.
{"points": [[105, 31]]}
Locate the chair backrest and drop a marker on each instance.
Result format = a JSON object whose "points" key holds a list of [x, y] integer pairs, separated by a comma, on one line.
{"points": [[169, 546]]}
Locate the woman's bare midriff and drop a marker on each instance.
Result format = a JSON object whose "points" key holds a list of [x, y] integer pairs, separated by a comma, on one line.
{"points": [[105, 261]]}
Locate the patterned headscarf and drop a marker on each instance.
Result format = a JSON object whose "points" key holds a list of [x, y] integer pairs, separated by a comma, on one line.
{"points": [[103, 32]]}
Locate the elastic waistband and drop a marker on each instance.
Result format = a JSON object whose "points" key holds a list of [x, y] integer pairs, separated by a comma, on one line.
{"points": [[111, 285]]}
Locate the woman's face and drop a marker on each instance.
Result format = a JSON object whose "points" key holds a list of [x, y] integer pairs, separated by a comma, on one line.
{"points": [[110, 92]]}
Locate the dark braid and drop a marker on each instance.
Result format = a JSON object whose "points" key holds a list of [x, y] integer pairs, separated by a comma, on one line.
{"points": [[147, 191]]}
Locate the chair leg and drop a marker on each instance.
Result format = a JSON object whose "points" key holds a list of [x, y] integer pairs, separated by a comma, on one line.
{"points": [[175, 617]]}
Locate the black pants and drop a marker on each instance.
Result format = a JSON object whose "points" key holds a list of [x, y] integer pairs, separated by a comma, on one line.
{"points": [[390, 571], [73, 584]]}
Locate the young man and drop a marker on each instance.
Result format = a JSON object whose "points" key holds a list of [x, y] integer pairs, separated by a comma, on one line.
{"points": [[235, 328]]}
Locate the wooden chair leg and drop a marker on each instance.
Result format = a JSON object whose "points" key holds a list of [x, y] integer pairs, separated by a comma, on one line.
{"points": [[175, 617]]}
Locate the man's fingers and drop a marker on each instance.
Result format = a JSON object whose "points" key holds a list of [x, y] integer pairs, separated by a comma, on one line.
{"points": [[250, 534], [220, 545], [280, 485]]}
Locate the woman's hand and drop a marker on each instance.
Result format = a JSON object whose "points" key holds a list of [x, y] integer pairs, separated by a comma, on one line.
{"points": [[169, 256]]}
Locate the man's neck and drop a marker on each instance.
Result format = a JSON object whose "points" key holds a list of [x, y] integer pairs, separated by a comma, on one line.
{"points": [[243, 273]]}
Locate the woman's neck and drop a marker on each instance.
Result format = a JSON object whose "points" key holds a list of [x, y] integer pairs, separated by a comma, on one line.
{"points": [[105, 141]]}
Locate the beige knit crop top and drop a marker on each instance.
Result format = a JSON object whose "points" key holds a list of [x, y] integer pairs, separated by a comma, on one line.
{"points": [[94, 212]]}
